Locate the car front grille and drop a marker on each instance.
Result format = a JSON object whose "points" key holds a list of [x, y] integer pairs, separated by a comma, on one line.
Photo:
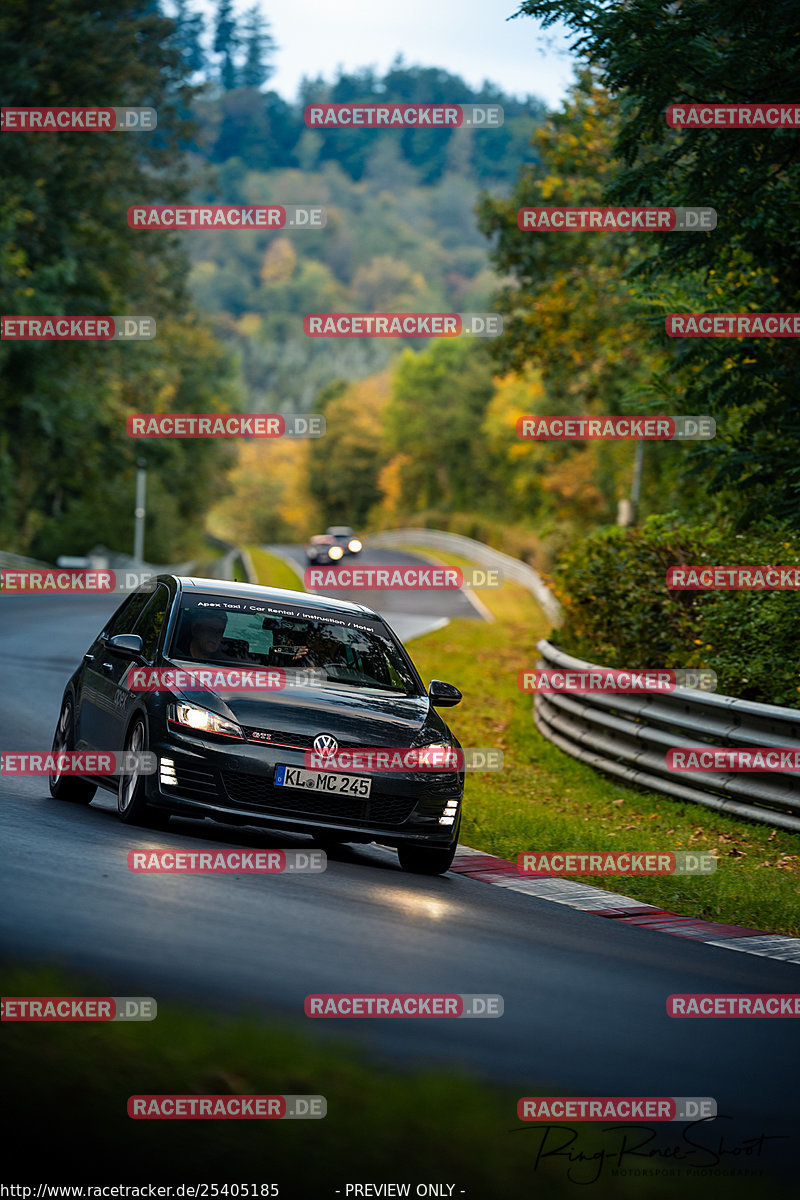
{"points": [[256, 791], [290, 740], [196, 784]]}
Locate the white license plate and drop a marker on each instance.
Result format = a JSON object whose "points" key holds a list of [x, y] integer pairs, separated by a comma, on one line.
{"points": [[323, 781]]}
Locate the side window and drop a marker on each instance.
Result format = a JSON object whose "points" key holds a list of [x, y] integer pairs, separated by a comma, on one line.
{"points": [[151, 622], [127, 614]]}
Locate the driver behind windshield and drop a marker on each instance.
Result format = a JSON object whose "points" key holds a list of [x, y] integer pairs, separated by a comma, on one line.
{"points": [[206, 634], [290, 647]]}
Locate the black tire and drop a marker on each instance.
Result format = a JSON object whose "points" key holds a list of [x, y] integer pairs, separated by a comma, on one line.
{"points": [[68, 787], [426, 860], [132, 805]]}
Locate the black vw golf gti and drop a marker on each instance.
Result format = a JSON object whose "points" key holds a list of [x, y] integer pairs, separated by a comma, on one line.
{"points": [[241, 755]]}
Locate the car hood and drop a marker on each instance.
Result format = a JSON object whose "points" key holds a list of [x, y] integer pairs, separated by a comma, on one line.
{"points": [[348, 714]]}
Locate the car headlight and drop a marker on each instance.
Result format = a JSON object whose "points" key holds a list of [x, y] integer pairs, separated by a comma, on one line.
{"points": [[202, 720], [354, 545], [335, 552], [441, 753]]}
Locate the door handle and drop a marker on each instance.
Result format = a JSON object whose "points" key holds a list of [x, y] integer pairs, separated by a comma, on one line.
{"points": [[107, 667], [88, 658]]}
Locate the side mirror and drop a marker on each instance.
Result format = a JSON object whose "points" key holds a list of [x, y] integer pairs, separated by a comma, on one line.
{"points": [[126, 643], [443, 695]]}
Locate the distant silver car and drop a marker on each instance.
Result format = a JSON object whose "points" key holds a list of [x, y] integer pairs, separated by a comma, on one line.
{"points": [[333, 544], [344, 536]]}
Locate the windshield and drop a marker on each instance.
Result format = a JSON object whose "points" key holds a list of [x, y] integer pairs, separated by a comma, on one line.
{"points": [[341, 651]]}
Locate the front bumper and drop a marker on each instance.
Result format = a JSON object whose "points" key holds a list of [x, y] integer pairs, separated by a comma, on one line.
{"points": [[235, 783]]}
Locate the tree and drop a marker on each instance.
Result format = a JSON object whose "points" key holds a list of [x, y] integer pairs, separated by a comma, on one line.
{"points": [[268, 500], [66, 462], [345, 464], [259, 47], [188, 37], [572, 312], [570, 307], [650, 55], [226, 43], [496, 155], [438, 403]]}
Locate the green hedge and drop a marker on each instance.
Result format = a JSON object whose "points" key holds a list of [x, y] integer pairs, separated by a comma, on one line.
{"points": [[619, 611]]}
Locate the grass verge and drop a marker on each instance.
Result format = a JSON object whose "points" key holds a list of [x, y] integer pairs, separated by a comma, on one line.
{"points": [[71, 1082], [273, 571], [545, 800]]}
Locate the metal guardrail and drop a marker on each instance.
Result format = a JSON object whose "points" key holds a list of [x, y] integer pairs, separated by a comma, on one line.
{"points": [[117, 561], [477, 552], [225, 567], [628, 736], [17, 560]]}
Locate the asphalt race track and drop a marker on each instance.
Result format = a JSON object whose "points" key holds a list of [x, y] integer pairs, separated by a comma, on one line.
{"points": [[410, 613], [584, 998]]}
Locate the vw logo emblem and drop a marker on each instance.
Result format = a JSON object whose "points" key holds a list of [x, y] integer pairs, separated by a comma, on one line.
{"points": [[325, 745]]}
